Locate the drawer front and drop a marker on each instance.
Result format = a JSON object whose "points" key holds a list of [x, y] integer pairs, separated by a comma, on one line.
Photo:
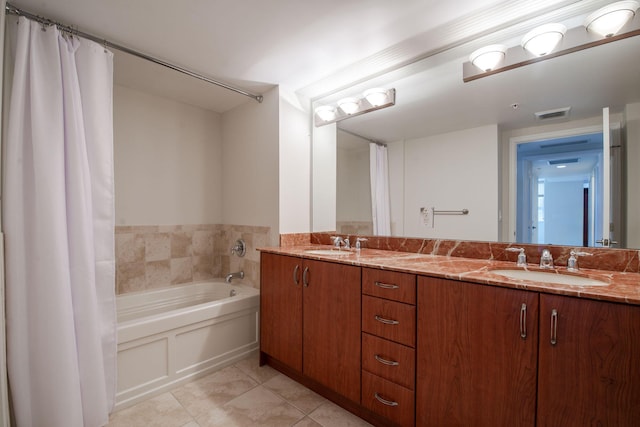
{"points": [[387, 399], [389, 319], [389, 284], [389, 360]]}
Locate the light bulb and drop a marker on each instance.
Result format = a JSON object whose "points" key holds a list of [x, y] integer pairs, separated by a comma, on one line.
{"points": [[542, 40], [488, 57]]}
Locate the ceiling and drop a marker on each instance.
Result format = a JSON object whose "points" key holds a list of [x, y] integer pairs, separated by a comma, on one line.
{"points": [[317, 49]]}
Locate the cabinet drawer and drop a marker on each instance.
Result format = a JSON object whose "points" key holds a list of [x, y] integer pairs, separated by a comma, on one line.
{"points": [[389, 319], [389, 284], [387, 399], [389, 360]]}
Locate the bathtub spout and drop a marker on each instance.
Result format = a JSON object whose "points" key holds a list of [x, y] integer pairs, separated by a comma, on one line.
{"points": [[238, 274]]}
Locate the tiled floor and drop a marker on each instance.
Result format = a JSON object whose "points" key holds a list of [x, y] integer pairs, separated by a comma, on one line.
{"points": [[240, 395]]}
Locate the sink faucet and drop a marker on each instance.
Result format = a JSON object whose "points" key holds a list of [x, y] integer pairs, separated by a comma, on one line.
{"points": [[572, 263], [339, 241], [546, 260], [238, 274], [522, 257]]}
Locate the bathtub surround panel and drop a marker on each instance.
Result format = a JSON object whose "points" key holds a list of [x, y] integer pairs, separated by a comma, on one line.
{"points": [[154, 256], [170, 336]]}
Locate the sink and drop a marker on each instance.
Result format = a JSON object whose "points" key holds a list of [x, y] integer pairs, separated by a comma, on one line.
{"points": [[329, 252], [550, 277]]}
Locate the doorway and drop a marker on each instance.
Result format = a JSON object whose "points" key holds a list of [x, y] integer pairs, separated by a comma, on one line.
{"points": [[560, 188]]}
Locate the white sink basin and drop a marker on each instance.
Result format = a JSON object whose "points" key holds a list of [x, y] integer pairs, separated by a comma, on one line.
{"points": [[329, 252], [550, 277]]}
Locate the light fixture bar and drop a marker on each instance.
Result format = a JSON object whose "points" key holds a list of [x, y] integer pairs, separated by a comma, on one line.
{"points": [[364, 106], [575, 39]]}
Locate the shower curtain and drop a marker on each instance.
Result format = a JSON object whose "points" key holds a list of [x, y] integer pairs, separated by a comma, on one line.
{"points": [[58, 217], [380, 204]]}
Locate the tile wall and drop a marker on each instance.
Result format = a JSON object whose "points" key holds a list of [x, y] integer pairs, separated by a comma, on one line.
{"points": [[152, 256]]}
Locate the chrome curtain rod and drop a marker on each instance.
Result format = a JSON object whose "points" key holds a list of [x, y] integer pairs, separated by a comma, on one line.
{"points": [[12, 10], [363, 137]]}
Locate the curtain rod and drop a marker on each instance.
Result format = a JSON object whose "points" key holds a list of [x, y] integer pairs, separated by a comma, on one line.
{"points": [[362, 137], [13, 10]]}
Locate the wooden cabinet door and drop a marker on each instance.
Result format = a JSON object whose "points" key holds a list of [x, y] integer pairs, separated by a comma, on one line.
{"points": [[473, 366], [281, 308], [590, 374], [332, 326]]}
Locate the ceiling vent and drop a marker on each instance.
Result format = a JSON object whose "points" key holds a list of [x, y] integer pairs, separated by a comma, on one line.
{"points": [[559, 113], [563, 161]]}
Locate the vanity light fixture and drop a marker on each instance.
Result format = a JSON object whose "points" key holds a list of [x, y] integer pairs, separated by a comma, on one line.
{"points": [[376, 96], [373, 99], [326, 112], [608, 20], [542, 40], [349, 105], [488, 57]]}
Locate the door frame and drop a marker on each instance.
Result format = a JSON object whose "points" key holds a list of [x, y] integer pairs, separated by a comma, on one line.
{"points": [[513, 158]]}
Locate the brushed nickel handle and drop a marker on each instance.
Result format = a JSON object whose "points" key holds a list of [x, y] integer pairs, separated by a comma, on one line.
{"points": [[386, 321], [385, 401], [385, 361], [386, 285], [296, 278], [554, 326], [305, 277], [523, 321]]}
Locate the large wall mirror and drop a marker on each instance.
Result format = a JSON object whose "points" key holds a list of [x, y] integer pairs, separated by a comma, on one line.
{"points": [[521, 151]]}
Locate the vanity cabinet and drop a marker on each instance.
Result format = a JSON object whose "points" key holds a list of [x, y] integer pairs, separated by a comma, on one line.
{"points": [[310, 319], [589, 366], [388, 344], [477, 349]]}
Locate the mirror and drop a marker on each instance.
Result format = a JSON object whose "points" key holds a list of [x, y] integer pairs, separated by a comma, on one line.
{"points": [[450, 144]]}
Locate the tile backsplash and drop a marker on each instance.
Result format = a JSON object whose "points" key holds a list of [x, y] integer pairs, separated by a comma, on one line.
{"points": [[155, 256]]}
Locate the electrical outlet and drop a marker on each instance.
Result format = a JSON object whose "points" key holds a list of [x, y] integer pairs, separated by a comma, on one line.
{"points": [[426, 217]]}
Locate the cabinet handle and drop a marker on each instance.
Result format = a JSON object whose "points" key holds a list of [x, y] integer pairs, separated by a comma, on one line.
{"points": [[554, 326], [385, 401], [385, 361], [305, 277], [386, 321], [523, 321], [296, 277], [386, 285]]}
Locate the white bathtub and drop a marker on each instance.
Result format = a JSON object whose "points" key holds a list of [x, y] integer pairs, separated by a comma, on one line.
{"points": [[172, 335]]}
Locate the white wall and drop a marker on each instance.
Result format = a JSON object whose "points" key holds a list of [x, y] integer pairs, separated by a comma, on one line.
{"points": [[323, 178], [295, 166], [453, 171], [354, 192], [632, 116], [395, 152], [167, 158], [250, 164], [563, 212]]}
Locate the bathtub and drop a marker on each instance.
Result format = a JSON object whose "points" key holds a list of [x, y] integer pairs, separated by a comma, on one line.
{"points": [[169, 336]]}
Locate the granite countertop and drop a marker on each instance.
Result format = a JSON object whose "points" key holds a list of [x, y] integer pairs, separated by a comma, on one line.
{"points": [[623, 287]]}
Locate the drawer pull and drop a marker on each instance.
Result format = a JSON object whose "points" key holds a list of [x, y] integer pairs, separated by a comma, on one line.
{"points": [[385, 401], [385, 361], [386, 321], [305, 277], [386, 285]]}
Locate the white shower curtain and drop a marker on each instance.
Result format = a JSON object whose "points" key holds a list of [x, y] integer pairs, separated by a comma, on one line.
{"points": [[380, 205], [58, 217]]}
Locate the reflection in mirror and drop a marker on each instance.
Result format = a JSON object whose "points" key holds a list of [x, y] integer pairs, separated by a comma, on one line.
{"points": [[452, 145]]}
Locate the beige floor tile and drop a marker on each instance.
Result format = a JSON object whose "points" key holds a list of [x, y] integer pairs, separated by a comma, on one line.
{"points": [[307, 422], [214, 390], [331, 415], [251, 366], [295, 393], [258, 407], [160, 411]]}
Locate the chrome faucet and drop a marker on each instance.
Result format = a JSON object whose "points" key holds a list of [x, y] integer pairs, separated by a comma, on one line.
{"points": [[546, 260], [572, 263], [238, 274], [522, 257], [339, 241]]}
